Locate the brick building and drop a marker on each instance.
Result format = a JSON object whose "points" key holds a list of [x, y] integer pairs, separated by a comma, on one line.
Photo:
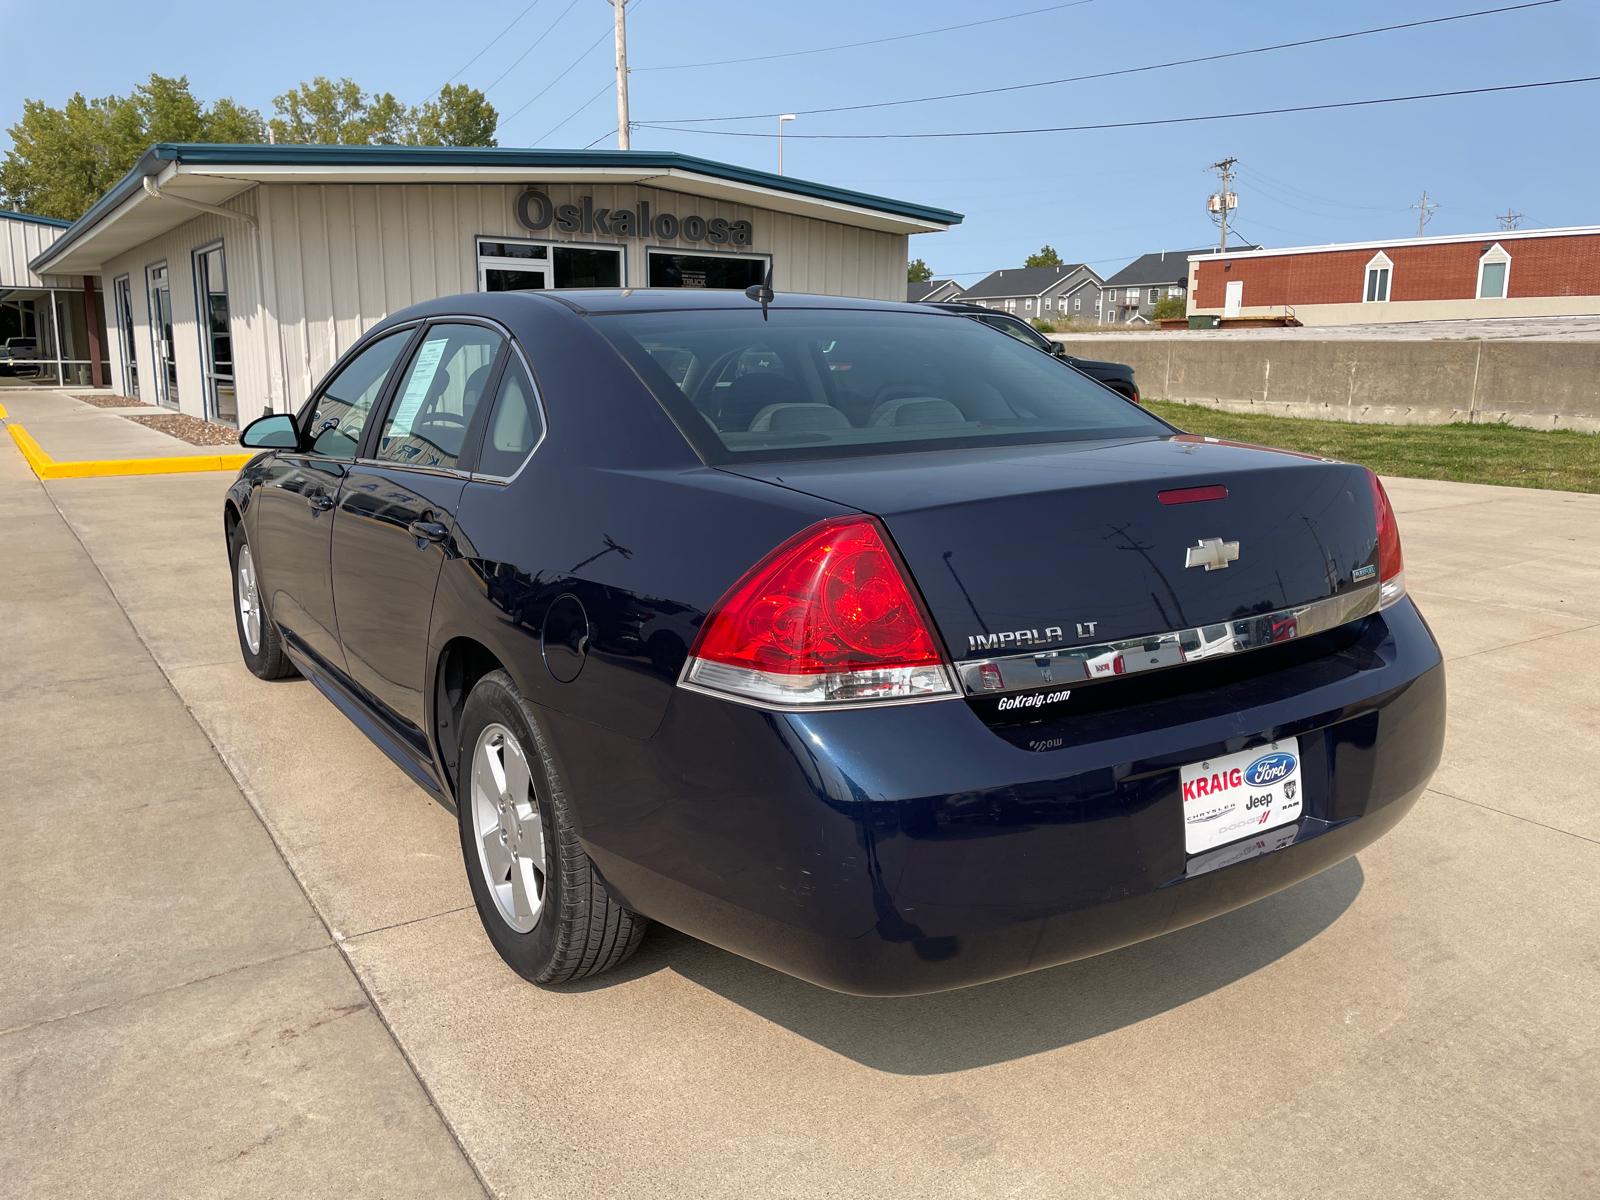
{"points": [[1517, 273]]}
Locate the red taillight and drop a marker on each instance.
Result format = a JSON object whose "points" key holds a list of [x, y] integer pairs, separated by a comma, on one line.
{"points": [[1391, 565], [827, 617]]}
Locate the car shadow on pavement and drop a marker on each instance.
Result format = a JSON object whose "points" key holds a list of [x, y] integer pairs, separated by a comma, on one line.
{"points": [[1025, 1015]]}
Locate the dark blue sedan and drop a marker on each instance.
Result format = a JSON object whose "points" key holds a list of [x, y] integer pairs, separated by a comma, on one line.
{"points": [[856, 638]]}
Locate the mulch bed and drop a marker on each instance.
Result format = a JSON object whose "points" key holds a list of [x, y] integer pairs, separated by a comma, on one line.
{"points": [[191, 429], [110, 400]]}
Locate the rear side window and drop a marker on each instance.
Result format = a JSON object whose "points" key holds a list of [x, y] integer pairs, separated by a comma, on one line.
{"points": [[832, 383], [341, 414], [432, 407], [515, 425]]}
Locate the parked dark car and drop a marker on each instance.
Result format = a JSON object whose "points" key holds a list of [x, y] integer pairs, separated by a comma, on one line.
{"points": [[852, 637], [1116, 376]]}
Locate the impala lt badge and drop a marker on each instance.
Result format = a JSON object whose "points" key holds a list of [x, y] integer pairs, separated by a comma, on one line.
{"points": [[1213, 554]]}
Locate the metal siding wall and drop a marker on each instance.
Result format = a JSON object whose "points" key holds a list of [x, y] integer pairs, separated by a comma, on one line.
{"points": [[176, 248], [20, 243]]}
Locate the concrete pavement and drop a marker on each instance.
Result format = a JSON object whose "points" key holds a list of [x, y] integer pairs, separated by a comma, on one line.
{"points": [[1415, 1022]]}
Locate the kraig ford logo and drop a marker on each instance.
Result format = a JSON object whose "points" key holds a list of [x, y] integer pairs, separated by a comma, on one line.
{"points": [[1269, 768]]}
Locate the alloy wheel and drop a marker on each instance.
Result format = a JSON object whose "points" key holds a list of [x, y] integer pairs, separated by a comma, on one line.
{"points": [[508, 827], [249, 601]]}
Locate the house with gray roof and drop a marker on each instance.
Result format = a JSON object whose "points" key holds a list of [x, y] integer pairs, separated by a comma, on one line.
{"points": [[933, 290], [1132, 292], [1048, 293]]}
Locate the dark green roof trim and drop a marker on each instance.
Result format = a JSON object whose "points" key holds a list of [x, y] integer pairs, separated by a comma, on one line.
{"points": [[263, 155], [31, 219]]}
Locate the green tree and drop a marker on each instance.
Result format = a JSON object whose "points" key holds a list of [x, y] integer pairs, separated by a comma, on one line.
{"points": [[918, 271], [1169, 308], [1046, 257], [326, 113], [63, 159], [459, 116]]}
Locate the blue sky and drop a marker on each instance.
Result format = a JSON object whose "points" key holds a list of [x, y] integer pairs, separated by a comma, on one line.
{"points": [[1101, 197]]}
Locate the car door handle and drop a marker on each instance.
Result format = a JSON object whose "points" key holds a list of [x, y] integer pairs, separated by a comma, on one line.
{"points": [[428, 531], [320, 502]]}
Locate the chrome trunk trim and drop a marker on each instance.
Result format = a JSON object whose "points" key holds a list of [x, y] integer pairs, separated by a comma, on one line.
{"points": [[1129, 656]]}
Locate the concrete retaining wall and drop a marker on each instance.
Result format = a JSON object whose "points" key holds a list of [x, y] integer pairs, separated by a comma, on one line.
{"points": [[1542, 385]]}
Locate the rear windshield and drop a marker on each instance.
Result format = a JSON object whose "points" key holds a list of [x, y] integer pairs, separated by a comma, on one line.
{"points": [[834, 383]]}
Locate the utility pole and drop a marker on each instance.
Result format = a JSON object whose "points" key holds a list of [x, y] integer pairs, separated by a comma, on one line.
{"points": [[1510, 221], [1222, 201], [622, 73], [1424, 212]]}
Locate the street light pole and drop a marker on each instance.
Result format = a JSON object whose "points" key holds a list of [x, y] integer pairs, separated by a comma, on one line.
{"points": [[781, 120], [622, 73]]}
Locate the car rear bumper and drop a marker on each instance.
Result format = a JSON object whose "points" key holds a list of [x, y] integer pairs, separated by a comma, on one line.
{"points": [[914, 848]]}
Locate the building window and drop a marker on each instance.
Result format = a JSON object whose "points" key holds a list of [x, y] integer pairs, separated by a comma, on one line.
{"points": [[522, 266], [1174, 292], [1011, 305], [1027, 304], [1133, 296], [1493, 271], [1379, 271], [1155, 294], [130, 361], [733, 272], [216, 342], [1077, 304], [1047, 304]]}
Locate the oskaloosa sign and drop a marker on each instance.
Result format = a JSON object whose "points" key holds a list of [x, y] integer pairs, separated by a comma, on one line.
{"points": [[536, 212]]}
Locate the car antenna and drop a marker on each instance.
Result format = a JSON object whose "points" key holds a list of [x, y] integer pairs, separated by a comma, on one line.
{"points": [[762, 292]]}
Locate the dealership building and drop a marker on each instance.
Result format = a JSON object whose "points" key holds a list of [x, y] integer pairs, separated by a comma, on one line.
{"points": [[229, 279]]}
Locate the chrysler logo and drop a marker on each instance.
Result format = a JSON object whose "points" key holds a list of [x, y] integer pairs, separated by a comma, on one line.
{"points": [[1212, 553]]}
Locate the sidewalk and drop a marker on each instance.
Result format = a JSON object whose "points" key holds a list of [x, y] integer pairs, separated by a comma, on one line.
{"points": [[175, 1019], [71, 431]]}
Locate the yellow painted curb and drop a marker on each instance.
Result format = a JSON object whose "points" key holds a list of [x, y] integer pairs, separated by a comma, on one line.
{"points": [[2, 412], [46, 467]]}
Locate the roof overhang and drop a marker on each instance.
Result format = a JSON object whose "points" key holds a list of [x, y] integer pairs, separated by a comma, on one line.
{"points": [[131, 214]]}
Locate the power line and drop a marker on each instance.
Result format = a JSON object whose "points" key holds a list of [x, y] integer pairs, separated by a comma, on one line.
{"points": [[1267, 181], [568, 71], [486, 49], [1181, 62], [874, 42], [606, 87], [531, 48], [1260, 112]]}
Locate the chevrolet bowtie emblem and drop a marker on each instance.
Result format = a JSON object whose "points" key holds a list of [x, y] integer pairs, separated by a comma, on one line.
{"points": [[1212, 553]]}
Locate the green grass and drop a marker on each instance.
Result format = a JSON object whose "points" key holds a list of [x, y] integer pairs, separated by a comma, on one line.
{"points": [[1503, 454]]}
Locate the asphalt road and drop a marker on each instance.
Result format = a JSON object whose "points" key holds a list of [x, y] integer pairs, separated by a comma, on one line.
{"points": [[241, 958]]}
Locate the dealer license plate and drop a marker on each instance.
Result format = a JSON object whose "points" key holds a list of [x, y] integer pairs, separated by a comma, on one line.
{"points": [[1240, 795]]}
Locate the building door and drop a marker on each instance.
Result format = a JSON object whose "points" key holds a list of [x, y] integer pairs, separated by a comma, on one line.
{"points": [[1233, 299], [216, 342], [166, 382], [130, 361]]}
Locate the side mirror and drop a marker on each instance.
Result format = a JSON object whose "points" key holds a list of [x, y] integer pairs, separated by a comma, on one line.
{"points": [[1059, 349], [274, 432]]}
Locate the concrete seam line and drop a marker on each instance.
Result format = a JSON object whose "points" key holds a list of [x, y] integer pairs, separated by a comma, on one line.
{"points": [[254, 803], [1515, 816], [162, 991], [1543, 637], [46, 467]]}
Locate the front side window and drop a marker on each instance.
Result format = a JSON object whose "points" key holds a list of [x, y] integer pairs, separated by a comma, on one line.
{"points": [[336, 424], [810, 383], [515, 425], [432, 407]]}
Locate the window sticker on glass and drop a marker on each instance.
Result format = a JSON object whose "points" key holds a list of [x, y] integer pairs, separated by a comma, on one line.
{"points": [[405, 411]]}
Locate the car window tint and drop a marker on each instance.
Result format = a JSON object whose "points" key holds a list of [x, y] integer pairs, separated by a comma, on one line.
{"points": [[437, 396], [514, 426], [1018, 330], [818, 383], [341, 413]]}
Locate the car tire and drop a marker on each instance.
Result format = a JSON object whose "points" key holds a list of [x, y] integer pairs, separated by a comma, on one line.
{"points": [[259, 639], [555, 922]]}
